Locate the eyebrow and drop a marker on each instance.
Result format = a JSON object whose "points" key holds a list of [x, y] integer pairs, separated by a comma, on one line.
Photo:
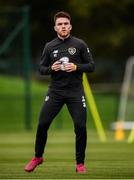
{"points": [[65, 23]]}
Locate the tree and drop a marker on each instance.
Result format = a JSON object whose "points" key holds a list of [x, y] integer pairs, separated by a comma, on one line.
{"points": [[106, 25]]}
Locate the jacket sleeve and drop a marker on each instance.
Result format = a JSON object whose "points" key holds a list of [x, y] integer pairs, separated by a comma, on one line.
{"points": [[87, 64], [45, 65]]}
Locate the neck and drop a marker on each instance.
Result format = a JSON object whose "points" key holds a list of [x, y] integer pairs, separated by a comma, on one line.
{"points": [[63, 37]]}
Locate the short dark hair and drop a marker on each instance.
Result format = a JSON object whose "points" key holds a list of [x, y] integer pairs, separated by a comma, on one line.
{"points": [[62, 14]]}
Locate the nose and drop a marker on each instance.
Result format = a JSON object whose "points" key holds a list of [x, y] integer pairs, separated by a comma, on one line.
{"points": [[63, 25]]}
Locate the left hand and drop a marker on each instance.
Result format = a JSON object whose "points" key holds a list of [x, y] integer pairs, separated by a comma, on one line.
{"points": [[69, 67]]}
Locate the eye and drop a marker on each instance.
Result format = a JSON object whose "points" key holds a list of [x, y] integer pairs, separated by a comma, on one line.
{"points": [[59, 24], [66, 23]]}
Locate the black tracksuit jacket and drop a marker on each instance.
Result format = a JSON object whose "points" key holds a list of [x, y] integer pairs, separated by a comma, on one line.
{"points": [[78, 53]]}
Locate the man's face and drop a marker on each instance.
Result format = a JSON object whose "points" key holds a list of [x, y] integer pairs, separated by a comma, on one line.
{"points": [[62, 27]]}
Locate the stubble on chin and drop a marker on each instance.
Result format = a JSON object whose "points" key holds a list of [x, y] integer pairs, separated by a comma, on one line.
{"points": [[62, 35]]}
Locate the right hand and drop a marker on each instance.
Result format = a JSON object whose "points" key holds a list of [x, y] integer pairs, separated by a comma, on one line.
{"points": [[56, 66]]}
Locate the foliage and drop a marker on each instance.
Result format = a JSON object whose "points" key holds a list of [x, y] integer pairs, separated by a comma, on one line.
{"points": [[107, 26]]}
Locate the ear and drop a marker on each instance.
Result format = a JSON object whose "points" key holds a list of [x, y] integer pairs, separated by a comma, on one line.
{"points": [[70, 27], [55, 28]]}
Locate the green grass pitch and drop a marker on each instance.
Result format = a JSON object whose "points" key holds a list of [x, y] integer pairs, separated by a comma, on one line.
{"points": [[110, 160]]}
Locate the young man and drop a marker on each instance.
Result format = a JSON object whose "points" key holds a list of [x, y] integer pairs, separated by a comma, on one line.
{"points": [[65, 58]]}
